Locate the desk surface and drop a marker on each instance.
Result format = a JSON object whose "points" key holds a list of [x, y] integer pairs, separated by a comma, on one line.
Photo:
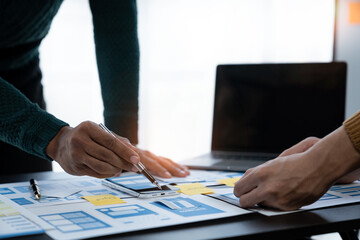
{"points": [[251, 226]]}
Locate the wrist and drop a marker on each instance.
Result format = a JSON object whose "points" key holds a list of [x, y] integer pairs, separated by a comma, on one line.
{"points": [[54, 145], [352, 128], [336, 155]]}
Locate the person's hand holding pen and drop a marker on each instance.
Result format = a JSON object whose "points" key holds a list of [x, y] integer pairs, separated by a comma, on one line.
{"points": [[88, 150]]}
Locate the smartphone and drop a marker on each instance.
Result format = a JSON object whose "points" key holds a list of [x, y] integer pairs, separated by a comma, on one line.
{"points": [[140, 190]]}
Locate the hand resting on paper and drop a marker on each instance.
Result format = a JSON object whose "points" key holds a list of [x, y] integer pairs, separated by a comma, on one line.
{"points": [[307, 143], [301, 174]]}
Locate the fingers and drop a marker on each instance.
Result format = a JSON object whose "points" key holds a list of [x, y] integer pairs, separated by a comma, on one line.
{"points": [[88, 149], [101, 169], [90, 172], [121, 148], [300, 147], [249, 187], [247, 172], [81, 168], [162, 166], [265, 195], [154, 167], [251, 198], [248, 191], [350, 177], [89, 145], [118, 174], [245, 184], [127, 142], [105, 155], [174, 168]]}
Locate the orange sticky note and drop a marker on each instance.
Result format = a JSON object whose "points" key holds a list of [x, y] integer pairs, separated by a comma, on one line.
{"points": [[106, 199], [354, 12], [229, 181], [194, 188]]}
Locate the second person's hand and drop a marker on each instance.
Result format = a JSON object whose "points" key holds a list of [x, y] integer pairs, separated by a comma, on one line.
{"points": [[291, 181], [309, 142]]}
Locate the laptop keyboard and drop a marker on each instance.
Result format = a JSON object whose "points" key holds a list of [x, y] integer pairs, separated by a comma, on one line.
{"points": [[229, 161]]}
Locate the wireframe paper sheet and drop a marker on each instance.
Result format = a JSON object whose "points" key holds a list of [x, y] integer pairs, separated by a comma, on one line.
{"points": [[337, 195], [84, 220]]}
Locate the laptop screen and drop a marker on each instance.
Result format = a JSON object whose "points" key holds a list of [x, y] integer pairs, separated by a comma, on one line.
{"points": [[270, 107]]}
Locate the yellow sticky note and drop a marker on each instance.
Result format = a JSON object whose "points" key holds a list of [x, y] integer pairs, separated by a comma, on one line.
{"points": [[229, 181], [354, 12], [106, 199], [194, 188]]}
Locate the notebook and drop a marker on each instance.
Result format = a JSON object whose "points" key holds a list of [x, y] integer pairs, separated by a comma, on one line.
{"points": [[262, 109]]}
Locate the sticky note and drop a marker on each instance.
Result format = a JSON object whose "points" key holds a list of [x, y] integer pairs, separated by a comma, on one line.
{"points": [[194, 188], [106, 199], [229, 181], [354, 12]]}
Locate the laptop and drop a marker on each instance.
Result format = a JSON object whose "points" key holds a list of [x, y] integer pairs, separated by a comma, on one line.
{"points": [[262, 109]]}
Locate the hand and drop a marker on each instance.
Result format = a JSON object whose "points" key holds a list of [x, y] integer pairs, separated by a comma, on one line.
{"points": [[308, 143], [161, 166], [300, 147], [350, 177], [89, 150], [291, 181], [286, 183]]}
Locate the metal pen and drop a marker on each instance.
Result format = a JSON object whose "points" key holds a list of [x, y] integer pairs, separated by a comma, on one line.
{"points": [[139, 166], [35, 189]]}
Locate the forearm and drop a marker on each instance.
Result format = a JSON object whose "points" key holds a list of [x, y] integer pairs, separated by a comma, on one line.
{"points": [[23, 124], [352, 128], [337, 154]]}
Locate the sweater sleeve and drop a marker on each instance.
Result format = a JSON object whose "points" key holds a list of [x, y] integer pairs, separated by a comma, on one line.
{"points": [[117, 54], [352, 127], [24, 124]]}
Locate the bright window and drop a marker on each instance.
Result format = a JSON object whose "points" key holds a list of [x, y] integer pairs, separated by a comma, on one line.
{"points": [[181, 42]]}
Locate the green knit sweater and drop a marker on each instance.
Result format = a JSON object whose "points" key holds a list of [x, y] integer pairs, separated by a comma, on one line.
{"points": [[23, 25]]}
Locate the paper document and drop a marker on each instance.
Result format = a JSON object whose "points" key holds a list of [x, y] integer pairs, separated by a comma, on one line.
{"points": [[76, 218], [337, 195], [66, 191], [17, 221], [202, 176], [84, 220]]}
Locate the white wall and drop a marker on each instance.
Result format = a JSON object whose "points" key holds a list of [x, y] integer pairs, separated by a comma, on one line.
{"points": [[181, 42], [348, 50]]}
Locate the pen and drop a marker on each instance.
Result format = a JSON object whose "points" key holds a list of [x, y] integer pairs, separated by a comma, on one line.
{"points": [[35, 189], [139, 166]]}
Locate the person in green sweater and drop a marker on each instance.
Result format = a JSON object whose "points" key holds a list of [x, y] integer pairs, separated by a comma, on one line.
{"points": [[29, 134]]}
